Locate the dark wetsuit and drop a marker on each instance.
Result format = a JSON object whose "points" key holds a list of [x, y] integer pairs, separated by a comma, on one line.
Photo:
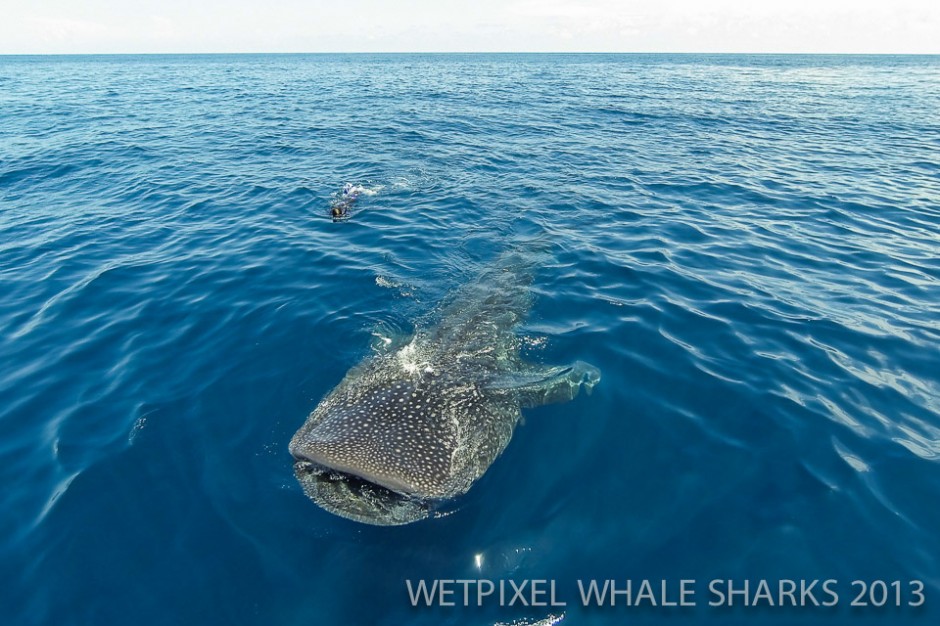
{"points": [[340, 208]]}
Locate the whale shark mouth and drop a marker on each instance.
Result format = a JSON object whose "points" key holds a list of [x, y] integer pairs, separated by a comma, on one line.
{"points": [[356, 498]]}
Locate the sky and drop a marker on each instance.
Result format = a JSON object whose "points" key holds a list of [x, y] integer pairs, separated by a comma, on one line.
{"points": [[192, 26]]}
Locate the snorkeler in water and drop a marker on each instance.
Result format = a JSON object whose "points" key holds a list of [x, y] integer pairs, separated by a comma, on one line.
{"points": [[340, 208]]}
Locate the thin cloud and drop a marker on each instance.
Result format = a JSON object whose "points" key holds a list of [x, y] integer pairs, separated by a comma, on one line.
{"points": [[83, 26]]}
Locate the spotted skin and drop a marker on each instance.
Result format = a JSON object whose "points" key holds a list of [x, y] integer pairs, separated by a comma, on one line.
{"points": [[417, 426], [394, 437]]}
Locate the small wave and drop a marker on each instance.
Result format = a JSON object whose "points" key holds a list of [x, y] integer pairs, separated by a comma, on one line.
{"points": [[351, 189], [387, 283], [549, 620]]}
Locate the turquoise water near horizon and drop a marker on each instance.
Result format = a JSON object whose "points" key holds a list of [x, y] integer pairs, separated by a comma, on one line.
{"points": [[747, 246]]}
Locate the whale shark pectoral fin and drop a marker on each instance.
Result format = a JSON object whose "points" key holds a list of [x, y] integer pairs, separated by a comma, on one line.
{"points": [[538, 385], [530, 376]]}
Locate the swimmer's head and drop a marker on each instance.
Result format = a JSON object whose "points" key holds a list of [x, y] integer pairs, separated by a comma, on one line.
{"points": [[336, 211]]}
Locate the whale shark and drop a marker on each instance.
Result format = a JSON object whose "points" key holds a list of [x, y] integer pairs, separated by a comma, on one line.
{"points": [[410, 429]]}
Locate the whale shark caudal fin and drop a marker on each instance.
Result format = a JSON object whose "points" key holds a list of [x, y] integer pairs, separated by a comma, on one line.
{"points": [[536, 385]]}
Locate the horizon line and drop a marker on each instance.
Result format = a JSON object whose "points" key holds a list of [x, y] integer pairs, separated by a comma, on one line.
{"points": [[468, 52]]}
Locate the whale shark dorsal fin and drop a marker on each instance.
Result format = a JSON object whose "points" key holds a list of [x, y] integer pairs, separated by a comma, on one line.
{"points": [[535, 385]]}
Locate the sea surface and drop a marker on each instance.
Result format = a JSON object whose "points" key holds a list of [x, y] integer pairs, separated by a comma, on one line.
{"points": [[748, 247]]}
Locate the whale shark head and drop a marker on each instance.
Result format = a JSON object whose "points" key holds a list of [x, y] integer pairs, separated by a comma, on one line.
{"points": [[377, 456]]}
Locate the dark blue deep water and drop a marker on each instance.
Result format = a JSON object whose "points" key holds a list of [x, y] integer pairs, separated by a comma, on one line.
{"points": [[747, 247]]}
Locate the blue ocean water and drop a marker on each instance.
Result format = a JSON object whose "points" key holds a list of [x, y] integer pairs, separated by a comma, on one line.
{"points": [[748, 247]]}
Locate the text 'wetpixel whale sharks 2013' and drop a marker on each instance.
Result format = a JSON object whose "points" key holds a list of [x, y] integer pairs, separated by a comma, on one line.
{"points": [[405, 431]]}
